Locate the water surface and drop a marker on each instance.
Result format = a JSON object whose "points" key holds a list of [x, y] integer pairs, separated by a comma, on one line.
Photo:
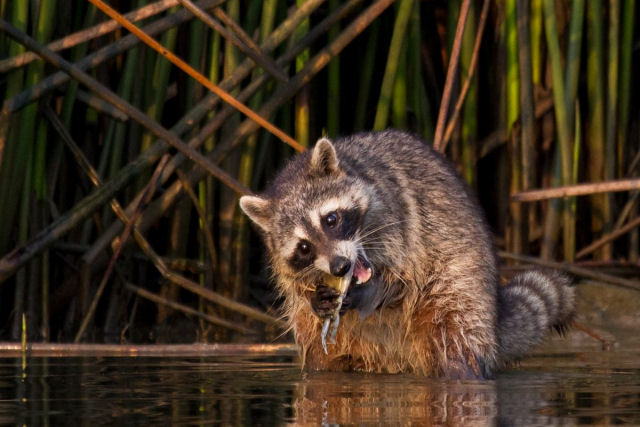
{"points": [[570, 388]]}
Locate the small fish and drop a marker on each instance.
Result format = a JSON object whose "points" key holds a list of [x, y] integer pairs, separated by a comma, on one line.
{"points": [[341, 284]]}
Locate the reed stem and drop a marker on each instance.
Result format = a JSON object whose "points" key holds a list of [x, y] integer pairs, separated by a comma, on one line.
{"points": [[564, 138]]}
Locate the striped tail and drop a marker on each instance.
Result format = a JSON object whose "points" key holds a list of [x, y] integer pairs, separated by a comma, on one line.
{"points": [[529, 306]]}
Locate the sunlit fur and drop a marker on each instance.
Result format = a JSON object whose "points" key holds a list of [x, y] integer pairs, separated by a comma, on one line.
{"points": [[437, 293]]}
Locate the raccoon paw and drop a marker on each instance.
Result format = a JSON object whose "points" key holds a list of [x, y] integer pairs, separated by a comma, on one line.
{"points": [[324, 301]]}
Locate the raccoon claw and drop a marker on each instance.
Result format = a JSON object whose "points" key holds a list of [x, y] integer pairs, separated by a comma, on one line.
{"points": [[325, 301]]}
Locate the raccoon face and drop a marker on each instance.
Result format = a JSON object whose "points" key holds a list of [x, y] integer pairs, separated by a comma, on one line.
{"points": [[312, 218]]}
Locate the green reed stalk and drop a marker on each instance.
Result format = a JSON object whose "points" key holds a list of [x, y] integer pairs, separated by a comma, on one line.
{"points": [[418, 94], [469, 125], [612, 113], [160, 82], [32, 158], [515, 237], [368, 65], [194, 93], [195, 53], [626, 52], [3, 12], [554, 206], [206, 187], [600, 208], [302, 99], [78, 52], [248, 160], [231, 53], [527, 107], [513, 79], [527, 120], [333, 81], [112, 154], [113, 158], [563, 132], [536, 37], [393, 58], [573, 58], [228, 198], [9, 137], [197, 37], [181, 218], [23, 231], [399, 93], [612, 89], [577, 137], [453, 10], [624, 88], [69, 102], [571, 80]]}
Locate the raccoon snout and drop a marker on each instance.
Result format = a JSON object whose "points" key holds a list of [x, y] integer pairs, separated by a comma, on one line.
{"points": [[339, 266]]}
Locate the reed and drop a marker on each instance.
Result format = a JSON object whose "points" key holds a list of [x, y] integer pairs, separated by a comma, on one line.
{"points": [[302, 99], [624, 91], [469, 126], [391, 68], [333, 82], [547, 104], [596, 99], [563, 129]]}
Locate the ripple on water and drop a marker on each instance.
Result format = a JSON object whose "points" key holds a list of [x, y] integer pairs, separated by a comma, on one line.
{"points": [[591, 387]]}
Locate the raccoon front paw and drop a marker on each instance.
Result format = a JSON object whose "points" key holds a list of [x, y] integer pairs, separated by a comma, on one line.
{"points": [[324, 301]]}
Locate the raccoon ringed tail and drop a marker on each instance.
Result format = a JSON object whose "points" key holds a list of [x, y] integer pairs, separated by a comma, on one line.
{"points": [[529, 306]]}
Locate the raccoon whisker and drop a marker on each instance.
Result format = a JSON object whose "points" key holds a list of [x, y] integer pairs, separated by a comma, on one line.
{"points": [[380, 246], [376, 242], [368, 232], [304, 272]]}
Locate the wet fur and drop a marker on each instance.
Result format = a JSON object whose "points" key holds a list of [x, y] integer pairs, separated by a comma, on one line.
{"points": [[436, 307]]}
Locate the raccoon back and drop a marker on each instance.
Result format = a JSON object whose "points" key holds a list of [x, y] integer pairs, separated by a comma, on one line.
{"points": [[529, 306]]}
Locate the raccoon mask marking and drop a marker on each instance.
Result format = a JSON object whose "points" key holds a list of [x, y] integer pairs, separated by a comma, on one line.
{"points": [[312, 229]]}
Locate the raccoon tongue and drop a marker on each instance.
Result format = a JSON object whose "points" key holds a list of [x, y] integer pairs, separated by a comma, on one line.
{"points": [[362, 271]]}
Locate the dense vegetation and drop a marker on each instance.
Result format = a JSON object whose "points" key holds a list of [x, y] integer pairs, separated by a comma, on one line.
{"points": [[549, 102]]}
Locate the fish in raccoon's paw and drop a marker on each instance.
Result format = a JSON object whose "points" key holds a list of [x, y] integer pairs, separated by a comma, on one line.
{"points": [[390, 216]]}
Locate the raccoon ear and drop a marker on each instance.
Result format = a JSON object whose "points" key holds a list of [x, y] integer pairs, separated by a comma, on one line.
{"points": [[258, 210], [324, 158]]}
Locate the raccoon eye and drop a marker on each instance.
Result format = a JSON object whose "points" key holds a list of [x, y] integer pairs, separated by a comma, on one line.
{"points": [[331, 219], [304, 247]]}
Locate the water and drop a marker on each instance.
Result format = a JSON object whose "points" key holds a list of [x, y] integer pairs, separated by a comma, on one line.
{"points": [[575, 387]]}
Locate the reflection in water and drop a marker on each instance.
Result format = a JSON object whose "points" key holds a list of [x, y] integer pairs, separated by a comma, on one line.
{"points": [[390, 399], [82, 391], [578, 388], [516, 398]]}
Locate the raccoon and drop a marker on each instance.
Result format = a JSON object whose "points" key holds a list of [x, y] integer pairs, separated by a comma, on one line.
{"points": [[392, 214]]}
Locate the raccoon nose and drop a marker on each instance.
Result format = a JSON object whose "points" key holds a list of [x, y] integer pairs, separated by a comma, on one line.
{"points": [[339, 266]]}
